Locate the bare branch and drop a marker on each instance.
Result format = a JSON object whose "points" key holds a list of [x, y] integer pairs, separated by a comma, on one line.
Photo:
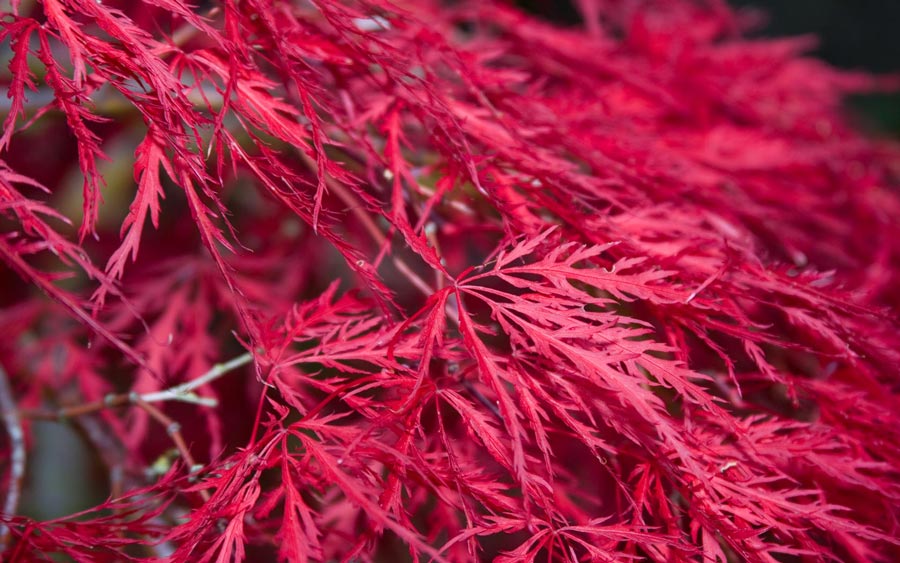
{"points": [[17, 450], [173, 429], [185, 391]]}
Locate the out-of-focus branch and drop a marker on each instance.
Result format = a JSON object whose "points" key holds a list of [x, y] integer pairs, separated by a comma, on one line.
{"points": [[17, 450]]}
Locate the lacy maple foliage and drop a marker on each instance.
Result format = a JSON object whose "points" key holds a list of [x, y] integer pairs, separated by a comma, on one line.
{"points": [[441, 281]]}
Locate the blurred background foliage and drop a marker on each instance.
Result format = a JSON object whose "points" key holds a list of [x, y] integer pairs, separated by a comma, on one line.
{"points": [[853, 34]]}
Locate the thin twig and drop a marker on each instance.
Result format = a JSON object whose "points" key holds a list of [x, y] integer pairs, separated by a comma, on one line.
{"points": [[183, 392], [173, 429], [17, 458], [64, 413]]}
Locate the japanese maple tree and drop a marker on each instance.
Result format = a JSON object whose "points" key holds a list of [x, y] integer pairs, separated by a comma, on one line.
{"points": [[361, 280]]}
